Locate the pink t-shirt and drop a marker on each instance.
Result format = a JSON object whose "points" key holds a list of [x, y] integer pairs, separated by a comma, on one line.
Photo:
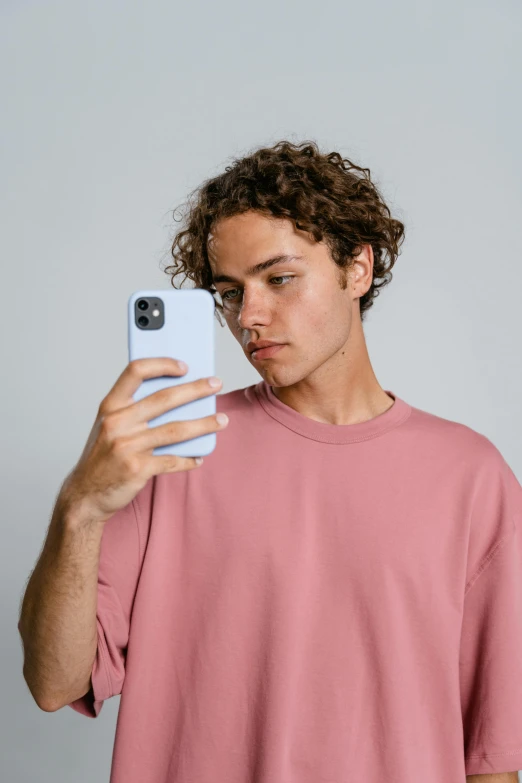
{"points": [[316, 602]]}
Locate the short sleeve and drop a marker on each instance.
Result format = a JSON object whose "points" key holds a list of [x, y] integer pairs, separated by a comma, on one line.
{"points": [[121, 557], [490, 664]]}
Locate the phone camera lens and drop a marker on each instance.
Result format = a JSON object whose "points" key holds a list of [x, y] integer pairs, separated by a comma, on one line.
{"points": [[143, 320], [143, 304]]}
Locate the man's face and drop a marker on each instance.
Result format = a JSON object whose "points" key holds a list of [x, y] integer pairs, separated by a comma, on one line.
{"points": [[298, 302]]}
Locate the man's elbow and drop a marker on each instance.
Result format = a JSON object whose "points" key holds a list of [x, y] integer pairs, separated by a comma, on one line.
{"points": [[43, 702]]}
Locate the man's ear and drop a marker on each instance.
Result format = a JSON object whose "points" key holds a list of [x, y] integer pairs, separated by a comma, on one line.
{"points": [[361, 272]]}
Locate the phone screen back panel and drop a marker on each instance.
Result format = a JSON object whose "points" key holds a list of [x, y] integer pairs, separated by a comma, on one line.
{"points": [[187, 334]]}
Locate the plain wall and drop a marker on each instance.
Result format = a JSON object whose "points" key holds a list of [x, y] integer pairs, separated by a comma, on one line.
{"points": [[112, 112]]}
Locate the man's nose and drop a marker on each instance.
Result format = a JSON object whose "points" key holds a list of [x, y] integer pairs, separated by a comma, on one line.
{"points": [[254, 309]]}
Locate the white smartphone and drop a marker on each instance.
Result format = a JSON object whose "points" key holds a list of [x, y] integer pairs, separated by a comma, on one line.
{"points": [[178, 324]]}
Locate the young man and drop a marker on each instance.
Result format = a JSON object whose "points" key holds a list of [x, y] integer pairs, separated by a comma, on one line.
{"points": [[336, 593]]}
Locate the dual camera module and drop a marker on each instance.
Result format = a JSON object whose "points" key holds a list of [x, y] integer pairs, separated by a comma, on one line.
{"points": [[149, 313]]}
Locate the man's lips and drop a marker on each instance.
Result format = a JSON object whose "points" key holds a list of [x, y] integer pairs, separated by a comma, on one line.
{"points": [[266, 353]]}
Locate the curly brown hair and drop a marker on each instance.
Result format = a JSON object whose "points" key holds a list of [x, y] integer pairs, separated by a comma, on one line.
{"points": [[324, 194]]}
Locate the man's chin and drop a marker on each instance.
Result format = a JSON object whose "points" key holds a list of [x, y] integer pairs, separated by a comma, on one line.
{"points": [[280, 376]]}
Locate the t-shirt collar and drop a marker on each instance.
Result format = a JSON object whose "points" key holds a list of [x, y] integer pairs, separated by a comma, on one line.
{"points": [[331, 433]]}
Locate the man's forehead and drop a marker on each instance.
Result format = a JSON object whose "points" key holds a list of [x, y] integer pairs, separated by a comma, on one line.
{"points": [[253, 245], [246, 225], [226, 247]]}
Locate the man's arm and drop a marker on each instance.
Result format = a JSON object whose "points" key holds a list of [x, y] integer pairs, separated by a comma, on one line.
{"points": [[496, 777], [58, 616]]}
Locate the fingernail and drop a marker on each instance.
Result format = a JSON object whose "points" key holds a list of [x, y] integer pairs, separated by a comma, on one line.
{"points": [[222, 418], [214, 381]]}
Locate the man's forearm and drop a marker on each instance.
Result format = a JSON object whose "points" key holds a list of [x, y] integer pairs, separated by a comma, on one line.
{"points": [[496, 777], [58, 617]]}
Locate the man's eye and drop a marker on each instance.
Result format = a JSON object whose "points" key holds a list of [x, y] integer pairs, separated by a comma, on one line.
{"points": [[278, 277]]}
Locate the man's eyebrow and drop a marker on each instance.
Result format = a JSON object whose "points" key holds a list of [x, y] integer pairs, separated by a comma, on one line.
{"points": [[257, 268]]}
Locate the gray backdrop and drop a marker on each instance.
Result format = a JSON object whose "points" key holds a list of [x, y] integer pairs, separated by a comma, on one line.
{"points": [[114, 111]]}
